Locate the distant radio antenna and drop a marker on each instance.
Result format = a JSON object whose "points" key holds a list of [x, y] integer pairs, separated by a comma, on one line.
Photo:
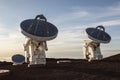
{"points": [[18, 59], [96, 36]]}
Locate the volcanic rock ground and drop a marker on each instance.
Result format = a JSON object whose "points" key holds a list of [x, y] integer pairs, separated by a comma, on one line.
{"points": [[77, 69]]}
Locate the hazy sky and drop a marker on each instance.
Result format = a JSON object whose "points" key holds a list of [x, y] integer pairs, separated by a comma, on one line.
{"points": [[71, 17]]}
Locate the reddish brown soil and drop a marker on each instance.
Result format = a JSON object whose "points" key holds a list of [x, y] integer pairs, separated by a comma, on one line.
{"points": [[107, 69]]}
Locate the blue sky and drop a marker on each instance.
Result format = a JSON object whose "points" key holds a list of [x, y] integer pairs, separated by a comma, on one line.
{"points": [[71, 17]]}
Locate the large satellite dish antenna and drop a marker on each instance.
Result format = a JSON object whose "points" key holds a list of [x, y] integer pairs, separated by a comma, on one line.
{"points": [[37, 32], [18, 59], [96, 36], [39, 29]]}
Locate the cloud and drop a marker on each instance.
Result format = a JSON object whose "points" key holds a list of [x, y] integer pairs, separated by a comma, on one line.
{"points": [[66, 17], [107, 23], [99, 12], [117, 38], [11, 42], [107, 53], [70, 35], [116, 7]]}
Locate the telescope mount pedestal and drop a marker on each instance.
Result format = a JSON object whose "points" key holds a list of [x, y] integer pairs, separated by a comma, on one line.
{"points": [[35, 52], [92, 50]]}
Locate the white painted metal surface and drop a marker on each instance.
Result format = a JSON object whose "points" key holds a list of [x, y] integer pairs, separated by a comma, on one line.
{"points": [[35, 52], [91, 50]]}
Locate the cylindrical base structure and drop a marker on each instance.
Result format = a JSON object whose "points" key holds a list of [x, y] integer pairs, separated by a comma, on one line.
{"points": [[38, 58], [36, 55], [91, 51]]}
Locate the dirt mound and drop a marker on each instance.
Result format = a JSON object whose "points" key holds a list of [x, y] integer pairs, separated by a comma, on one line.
{"points": [[113, 58]]}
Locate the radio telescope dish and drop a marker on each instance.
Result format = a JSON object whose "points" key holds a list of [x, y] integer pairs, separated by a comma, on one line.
{"points": [[98, 34], [39, 29], [18, 59], [91, 49]]}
